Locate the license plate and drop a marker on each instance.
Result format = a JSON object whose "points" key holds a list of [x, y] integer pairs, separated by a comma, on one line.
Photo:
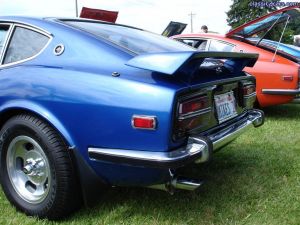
{"points": [[225, 105]]}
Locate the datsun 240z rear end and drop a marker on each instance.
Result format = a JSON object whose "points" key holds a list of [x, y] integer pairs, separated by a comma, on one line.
{"points": [[85, 104]]}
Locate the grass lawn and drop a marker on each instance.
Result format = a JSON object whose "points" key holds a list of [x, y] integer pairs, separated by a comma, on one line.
{"points": [[254, 180]]}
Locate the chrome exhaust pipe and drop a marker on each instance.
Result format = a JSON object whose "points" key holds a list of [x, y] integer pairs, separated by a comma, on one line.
{"points": [[188, 185], [178, 183]]}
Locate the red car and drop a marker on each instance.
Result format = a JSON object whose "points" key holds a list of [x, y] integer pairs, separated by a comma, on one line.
{"points": [[277, 70]]}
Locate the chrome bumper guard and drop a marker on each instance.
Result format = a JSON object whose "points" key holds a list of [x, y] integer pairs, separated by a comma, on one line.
{"points": [[281, 91], [198, 149]]}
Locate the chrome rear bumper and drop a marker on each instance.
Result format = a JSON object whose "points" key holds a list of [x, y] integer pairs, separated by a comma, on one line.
{"points": [[198, 149]]}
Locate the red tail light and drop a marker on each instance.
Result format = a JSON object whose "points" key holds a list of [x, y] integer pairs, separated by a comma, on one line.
{"points": [[144, 122], [248, 90], [193, 105]]}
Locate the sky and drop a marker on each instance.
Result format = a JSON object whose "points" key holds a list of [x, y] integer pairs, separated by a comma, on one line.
{"points": [[152, 15]]}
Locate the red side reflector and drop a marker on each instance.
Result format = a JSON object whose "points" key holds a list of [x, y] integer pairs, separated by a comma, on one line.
{"points": [[287, 78], [144, 122]]}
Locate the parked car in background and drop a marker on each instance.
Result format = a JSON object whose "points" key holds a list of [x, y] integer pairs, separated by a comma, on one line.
{"points": [[85, 103], [289, 50], [277, 68]]}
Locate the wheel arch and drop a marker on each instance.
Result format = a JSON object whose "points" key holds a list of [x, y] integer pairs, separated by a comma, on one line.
{"points": [[90, 183], [11, 109]]}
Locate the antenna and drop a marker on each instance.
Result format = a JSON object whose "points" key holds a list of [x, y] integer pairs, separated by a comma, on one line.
{"points": [[191, 15], [76, 8], [287, 21]]}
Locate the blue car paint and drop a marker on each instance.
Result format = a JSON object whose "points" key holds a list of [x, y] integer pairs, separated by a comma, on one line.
{"points": [[77, 94], [167, 63], [38, 109]]}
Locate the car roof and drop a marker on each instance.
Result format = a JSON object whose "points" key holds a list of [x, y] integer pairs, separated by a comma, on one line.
{"points": [[47, 23], [208, 35]]}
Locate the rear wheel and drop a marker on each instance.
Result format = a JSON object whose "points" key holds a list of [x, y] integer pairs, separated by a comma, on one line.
{"points": [[36, 169]]}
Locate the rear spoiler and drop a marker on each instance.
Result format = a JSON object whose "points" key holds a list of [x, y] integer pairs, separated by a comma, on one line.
{"points": [[171, 62]]}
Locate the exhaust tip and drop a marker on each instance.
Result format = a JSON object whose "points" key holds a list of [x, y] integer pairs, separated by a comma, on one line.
{"points": [[187, 184], [178, 184]]}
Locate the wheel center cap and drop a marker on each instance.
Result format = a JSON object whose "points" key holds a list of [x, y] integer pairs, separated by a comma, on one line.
{"points": [[35, 170], [28, 168]]}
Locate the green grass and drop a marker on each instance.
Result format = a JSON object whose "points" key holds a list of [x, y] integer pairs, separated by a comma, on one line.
{"points": [[254, 180]]}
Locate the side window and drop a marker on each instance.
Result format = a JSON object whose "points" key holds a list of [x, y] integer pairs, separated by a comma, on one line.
{"points": [[202, 46], [220, 46], [3, 34], [24, 44], [196, 43], [191, 43]]}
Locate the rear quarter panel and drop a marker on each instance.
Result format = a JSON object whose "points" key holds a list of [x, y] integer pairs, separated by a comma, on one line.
{"points": [[92, 105], [269, 75]]}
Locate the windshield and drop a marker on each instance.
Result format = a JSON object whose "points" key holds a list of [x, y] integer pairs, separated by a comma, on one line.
{"points": [[136, 40]]}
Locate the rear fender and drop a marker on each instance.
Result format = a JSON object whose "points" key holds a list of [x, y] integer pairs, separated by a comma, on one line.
{"points": [[90, 183], [40, 111]]}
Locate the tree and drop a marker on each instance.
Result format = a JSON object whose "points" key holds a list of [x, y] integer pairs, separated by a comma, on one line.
{"points": [[244, 11]]}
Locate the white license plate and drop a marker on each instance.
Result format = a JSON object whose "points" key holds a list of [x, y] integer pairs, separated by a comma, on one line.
{"points": [[226, 106]]}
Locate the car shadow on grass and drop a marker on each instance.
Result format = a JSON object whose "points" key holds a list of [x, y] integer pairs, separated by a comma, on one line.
{"points": [[288, 111], [235, 182]]}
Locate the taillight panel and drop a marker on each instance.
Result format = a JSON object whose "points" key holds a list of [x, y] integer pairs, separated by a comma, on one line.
{"points": [[193, 105], [193, 111], [247, 95], [196, 112]]}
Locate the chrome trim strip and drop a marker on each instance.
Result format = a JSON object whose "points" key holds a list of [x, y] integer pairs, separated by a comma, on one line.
{"points": [[176, 158], [7, 38], [142, 155], [30, 58], [26, 24], [250, 95], [198, 147], [281, 91], [194, 114]]}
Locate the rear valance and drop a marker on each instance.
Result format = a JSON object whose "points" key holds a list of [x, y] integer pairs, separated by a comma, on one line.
{"points": [[172, 62]]}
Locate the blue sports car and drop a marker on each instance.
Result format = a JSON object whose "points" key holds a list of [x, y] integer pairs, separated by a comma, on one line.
{"points": [[86, 104]]}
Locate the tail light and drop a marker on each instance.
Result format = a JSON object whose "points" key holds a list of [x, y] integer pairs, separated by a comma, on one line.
{"points": [[248, 90], [192, 113], [247, 95], [193, 105]]}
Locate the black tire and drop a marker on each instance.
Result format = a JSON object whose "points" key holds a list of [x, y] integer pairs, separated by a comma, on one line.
{"points": [[50, 189]]}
